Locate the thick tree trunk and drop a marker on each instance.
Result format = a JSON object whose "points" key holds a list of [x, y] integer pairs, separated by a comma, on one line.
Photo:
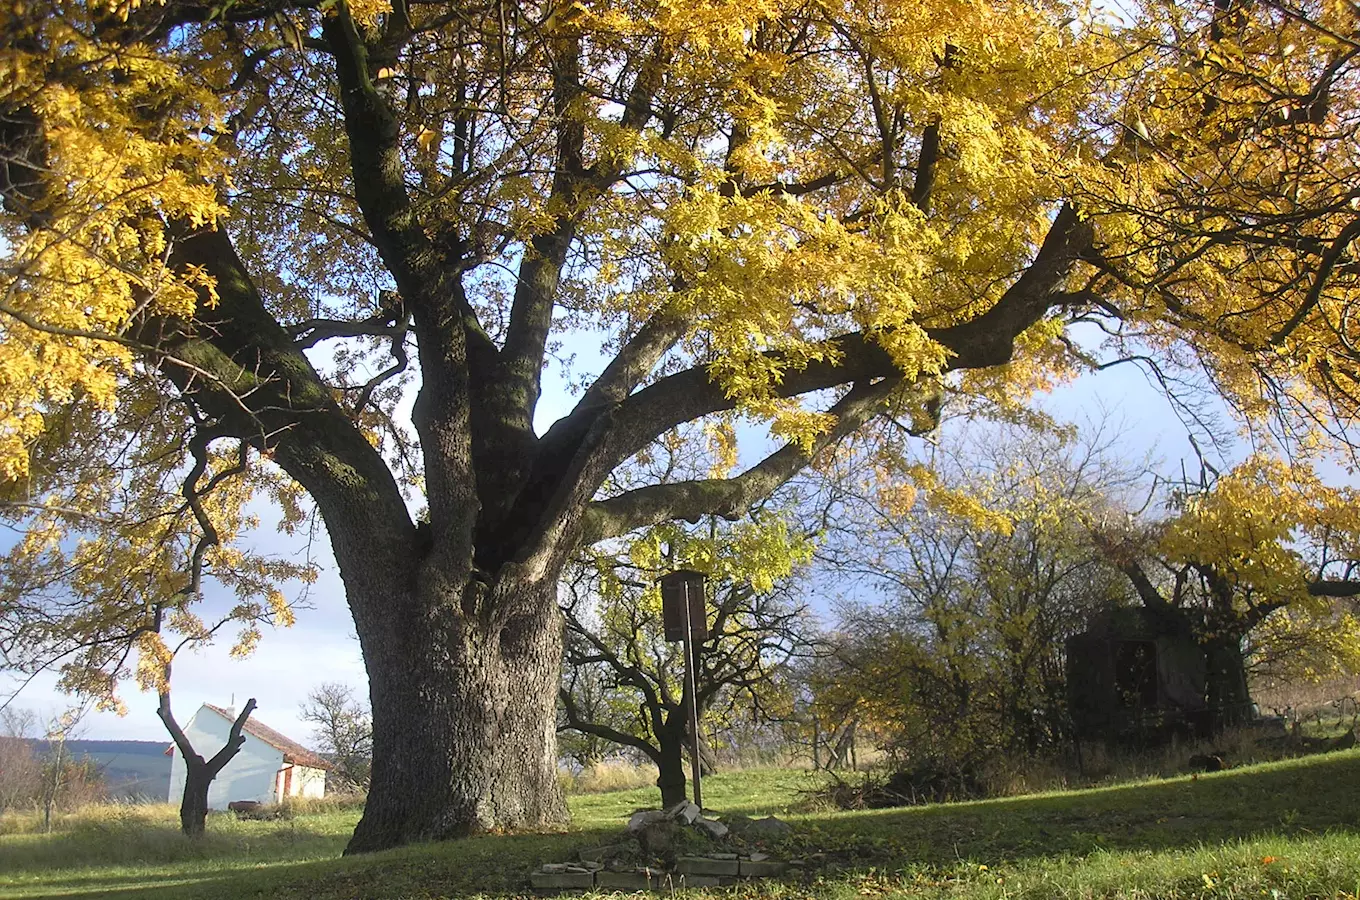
{"points": [[671, 765], [463, 695], [193, 807], [1228, 696]]}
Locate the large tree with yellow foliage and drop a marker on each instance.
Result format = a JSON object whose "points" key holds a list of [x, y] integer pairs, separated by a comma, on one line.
{"points": [[274, 214]]}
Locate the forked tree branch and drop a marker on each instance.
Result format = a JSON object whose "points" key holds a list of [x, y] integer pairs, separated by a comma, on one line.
{"points": [[186, 748], [266, 392], [575, 186], [234, 740], [581, 451], [731, 497], [987, 340], [576, 723]]}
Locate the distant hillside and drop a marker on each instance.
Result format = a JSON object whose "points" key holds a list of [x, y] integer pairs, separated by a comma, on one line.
{"points": [[133, 770]]}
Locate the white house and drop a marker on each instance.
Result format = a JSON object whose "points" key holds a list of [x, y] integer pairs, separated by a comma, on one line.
{"points": [[268, 767]]}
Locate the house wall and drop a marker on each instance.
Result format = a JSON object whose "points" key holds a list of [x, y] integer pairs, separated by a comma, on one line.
{"points": [[308, 782], [249, 776]]}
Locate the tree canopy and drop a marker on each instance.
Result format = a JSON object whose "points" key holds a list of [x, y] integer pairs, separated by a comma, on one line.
{"points": [[274, 219]]}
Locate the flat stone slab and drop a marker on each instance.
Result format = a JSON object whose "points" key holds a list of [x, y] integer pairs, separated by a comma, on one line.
{"points": [[706, 865], [762, 868], [678, 880], [562, 881], [618, 867], [684, 811], [690, 871], [627, 881], [711, 827]]}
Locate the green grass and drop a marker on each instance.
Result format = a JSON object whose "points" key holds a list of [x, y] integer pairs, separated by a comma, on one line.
{"points": [[1279, 830], [751, 792]]}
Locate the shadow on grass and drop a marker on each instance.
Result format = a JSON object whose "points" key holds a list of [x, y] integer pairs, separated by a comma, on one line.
{"points": [[1297, 798], [496, 865], [1309, 796], [142, 844]]}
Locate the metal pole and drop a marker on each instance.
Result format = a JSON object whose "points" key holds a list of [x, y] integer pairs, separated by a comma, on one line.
{"points": [[693, 699]]}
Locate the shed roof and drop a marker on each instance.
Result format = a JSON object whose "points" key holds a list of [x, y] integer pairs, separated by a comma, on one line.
{"points": [[293, 752]]}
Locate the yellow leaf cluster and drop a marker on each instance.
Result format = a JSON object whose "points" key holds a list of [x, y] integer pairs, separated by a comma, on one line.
{"points": [[1214, 152], [123, 151], [102, 574], [1264, 525]]}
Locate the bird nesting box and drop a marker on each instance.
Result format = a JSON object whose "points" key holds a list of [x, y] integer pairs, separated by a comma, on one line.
{"points": [[682, 595]]}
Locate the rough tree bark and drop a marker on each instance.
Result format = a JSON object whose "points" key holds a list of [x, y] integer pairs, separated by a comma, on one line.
{"points": [[673, 761], [708, 757], [468, 742], [670, 764]]}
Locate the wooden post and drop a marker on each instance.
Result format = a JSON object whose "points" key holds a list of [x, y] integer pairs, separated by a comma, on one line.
{"points": [[682, 599], [816, 744], [691, 655]]}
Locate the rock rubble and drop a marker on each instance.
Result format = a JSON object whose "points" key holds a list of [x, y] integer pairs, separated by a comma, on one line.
{"points": [[671, 848]]}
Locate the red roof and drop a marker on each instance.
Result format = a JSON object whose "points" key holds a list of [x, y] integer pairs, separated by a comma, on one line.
{"points": [[293, 752]]}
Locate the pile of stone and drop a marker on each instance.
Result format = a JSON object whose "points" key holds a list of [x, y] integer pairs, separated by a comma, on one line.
{"points": [[672, 848]]}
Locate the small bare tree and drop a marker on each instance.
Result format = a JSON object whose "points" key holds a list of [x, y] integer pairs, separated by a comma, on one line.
{"points": [[343, 730], [20, 768], [199, 772], [67, 782]]}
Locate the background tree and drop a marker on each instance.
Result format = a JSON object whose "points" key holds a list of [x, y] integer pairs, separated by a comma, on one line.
{"points": [[108, 580], [38, 771], [47, 775], [985, 567], [753, 203], [20, 768], [824, 716], [57, 765], [342, 731], [199, 772], [595, 699], [1251, 561], [127, 516], [615, 638]]}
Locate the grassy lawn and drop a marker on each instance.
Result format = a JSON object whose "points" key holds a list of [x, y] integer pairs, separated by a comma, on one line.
{"points": [[1287, 829]]}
